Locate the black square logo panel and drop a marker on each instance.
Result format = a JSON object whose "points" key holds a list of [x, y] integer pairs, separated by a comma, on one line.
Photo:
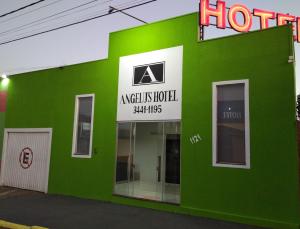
{"points": [[149, 74]]}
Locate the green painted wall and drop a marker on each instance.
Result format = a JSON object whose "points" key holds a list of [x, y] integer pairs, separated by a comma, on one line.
{"points": [[267, 194]]}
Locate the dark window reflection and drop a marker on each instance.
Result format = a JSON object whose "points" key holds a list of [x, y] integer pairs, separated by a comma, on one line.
{"points": [[84, 125], [231, 124]]}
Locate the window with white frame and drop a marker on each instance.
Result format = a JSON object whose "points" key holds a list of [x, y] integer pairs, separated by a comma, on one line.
{"points": [[231, 146], [83, 126]]}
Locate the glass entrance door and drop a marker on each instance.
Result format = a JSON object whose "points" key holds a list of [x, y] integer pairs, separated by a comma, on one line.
{"points": [[124, 160], [148, 161], [148, 149]]}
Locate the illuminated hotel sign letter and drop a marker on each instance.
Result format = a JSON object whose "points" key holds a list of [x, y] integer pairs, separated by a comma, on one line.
{"points": [[238, 11], [283, 19], [232, 17], [265, 16], [298, 29], [219, 13]]}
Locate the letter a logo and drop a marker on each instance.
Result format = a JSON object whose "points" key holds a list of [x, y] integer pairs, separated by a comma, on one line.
{"points": [[149, 74]]}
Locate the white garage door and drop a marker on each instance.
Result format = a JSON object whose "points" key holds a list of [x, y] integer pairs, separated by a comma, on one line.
{"points": [[25, 159]]}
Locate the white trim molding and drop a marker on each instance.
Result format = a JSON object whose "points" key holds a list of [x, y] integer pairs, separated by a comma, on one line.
{"points": [[247, 125], [74, 142]]}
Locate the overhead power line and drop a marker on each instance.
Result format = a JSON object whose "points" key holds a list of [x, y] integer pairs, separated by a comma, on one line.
{"points": [[22, 8], [31, 11], [42, 19], [58, 15], [112, 9], [37, 22], [76, 23], [61, 14]]}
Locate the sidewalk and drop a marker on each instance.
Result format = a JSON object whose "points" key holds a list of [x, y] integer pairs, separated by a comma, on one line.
{"points": [[60, 212]]}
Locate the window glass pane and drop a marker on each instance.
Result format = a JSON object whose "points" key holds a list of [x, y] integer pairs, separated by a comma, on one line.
{"points": [[171, 184], [148, 152], [85, 105], [231, 124], [148, 161], [124, 159]]}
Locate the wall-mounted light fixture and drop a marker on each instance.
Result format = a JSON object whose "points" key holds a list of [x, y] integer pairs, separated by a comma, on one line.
{"points": [[4, 80], [4, 76]]}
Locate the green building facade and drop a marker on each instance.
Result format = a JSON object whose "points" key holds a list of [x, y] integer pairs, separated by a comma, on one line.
{"points": [[265, 192]]}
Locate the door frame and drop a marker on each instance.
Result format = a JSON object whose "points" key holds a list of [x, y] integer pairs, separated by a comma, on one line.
{"points": [[26, 130], [163, 158]]}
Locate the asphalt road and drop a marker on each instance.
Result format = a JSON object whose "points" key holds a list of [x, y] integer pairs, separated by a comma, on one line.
{"points": [[61, 212]]}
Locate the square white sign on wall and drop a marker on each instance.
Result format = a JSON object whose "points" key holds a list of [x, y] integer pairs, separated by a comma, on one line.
{"points": [[150, 86]]}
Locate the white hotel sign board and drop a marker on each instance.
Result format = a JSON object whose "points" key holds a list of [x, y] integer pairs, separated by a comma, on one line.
{"points": [[150, 86]]}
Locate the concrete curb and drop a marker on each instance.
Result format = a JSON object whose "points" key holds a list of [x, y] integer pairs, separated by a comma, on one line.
{"points": [[9, 225]]}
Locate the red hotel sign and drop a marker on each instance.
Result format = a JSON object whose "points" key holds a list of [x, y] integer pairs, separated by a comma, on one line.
{"points": [[220, 13]]}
